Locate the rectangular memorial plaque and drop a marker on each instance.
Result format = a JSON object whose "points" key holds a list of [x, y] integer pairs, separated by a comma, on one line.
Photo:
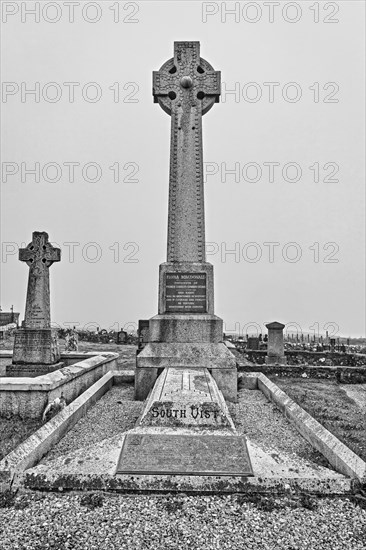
{"points": [[168, 454], [185, 293]]}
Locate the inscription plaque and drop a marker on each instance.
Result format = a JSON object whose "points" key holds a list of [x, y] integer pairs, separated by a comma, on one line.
{"points": [[185, 293], [177, 454]]}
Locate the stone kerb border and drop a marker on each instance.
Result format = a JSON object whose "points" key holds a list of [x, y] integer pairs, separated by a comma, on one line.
{"points": [[28, 397], [30, 452], [339, 455], [26, 455], [343, 374]]}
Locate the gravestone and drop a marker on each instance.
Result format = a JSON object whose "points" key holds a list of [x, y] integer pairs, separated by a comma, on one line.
{"points": [[121, 337], [275, 348], [186, 332], [36, 349], [185, 429], [253, 343]]}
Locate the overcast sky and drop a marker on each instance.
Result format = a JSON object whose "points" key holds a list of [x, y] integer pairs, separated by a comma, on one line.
{"points": [[297, 146]]}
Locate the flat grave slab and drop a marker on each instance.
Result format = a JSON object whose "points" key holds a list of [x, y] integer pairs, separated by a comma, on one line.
{"points": [[183, 454]]}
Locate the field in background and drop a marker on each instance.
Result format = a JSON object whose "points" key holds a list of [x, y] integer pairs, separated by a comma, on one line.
{"points": [[329, 404]]}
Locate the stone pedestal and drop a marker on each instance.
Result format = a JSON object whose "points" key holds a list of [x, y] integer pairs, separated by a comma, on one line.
{"points": [[275, 348], [32, 346], [186, 333], [216, 357]]}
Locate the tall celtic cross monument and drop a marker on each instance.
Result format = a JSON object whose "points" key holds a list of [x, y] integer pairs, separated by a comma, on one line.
{"points": [[186, 333], [35, 347]]}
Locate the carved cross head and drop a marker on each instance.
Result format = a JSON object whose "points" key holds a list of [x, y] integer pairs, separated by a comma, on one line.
{"points": [[186, 80], [39, 252]]}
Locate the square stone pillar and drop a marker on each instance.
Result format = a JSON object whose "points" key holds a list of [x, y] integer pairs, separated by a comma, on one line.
{"points": [[275, 348]]}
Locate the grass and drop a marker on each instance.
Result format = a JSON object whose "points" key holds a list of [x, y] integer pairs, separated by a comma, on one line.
{"points": [[14, 431], [330, 405]]}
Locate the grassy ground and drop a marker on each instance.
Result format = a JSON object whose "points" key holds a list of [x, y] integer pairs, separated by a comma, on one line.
{"points": [[14, 431], [331, 406]]}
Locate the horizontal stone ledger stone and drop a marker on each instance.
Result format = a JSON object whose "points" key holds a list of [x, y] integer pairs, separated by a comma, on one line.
{"points": [[186, 397], [184, 454]]}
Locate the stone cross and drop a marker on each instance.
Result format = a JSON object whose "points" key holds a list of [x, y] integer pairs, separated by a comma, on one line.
{"points": [[39, 255], [186, 87]]}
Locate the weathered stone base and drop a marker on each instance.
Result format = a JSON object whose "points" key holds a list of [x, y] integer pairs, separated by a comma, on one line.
{"points": [[215, 484], [276, 360], [36, 346], [155, 357], [186, 328], [31, 370], [28, 397]]}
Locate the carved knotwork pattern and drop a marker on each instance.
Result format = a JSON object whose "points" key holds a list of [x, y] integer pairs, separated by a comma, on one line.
{"points": [[39, 255], [186, 87]]}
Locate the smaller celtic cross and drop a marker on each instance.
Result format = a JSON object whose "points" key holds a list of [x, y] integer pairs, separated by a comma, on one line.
{"points": [[39, 255]]}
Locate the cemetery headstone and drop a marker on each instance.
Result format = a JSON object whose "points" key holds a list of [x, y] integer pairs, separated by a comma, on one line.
{"points": [[253, 343], [36, 349], [186, 332]]}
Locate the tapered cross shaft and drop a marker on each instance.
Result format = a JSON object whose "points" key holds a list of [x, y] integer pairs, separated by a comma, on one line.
{"points": [[39, 256], [186, 87]]}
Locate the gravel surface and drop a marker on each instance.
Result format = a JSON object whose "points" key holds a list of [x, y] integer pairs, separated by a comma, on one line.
{"points": [[113, 414], [253, 415], [266, 426], [107, 521]]}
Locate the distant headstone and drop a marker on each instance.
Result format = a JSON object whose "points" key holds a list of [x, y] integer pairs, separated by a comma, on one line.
{"points": [[36, 346], [253, 343], [275, 347], [121, 337], [8, 317]]}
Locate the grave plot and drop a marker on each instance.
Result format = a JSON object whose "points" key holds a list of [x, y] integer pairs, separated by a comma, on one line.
{"points": [[89, 456]]}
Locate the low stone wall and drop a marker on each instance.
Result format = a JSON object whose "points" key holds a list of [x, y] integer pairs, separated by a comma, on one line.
{"points": [[343, 375], [28, 397], [301, 357]]}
